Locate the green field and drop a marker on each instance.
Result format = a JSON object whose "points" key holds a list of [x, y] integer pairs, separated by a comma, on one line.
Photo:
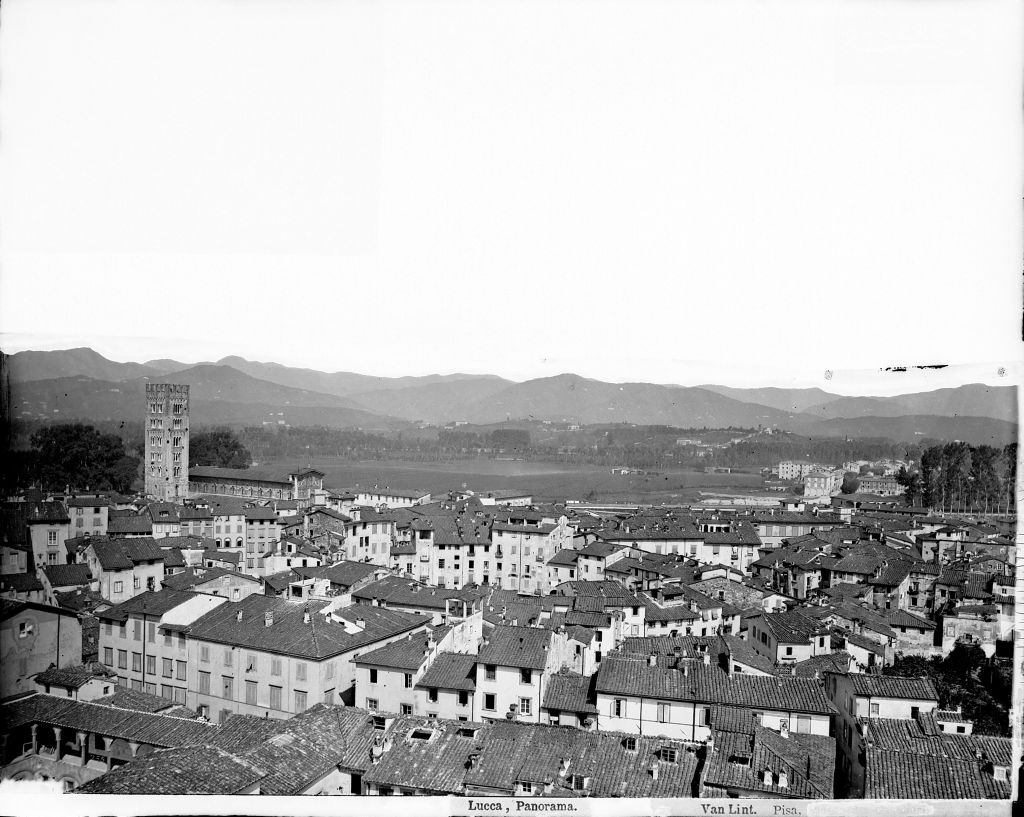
{"points": [[545, 480]]}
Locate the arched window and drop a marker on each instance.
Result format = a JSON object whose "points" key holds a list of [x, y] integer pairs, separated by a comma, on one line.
{"points": [[240, 543]]}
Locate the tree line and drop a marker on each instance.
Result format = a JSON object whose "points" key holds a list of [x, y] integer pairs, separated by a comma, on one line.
{"points": [[962, 478]]}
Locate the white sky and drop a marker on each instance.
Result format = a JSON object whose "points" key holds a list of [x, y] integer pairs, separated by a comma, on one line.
{"points": [[737, 192]]}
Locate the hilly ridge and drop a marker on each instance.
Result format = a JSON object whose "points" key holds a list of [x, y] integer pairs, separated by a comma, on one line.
{"points": [[83, 384]]}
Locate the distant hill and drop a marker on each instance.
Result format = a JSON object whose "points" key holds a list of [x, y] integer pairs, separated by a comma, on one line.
{"points": [[571, 397], [792, 400], [341, 384], [83, 362], [80, 383], [219, 395], [908, 428], [972, 400], [431, 402]]}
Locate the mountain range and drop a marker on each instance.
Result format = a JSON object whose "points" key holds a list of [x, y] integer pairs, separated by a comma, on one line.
{"points": [[80, 383]]}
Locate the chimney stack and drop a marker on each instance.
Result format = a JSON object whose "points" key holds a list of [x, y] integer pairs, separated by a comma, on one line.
{"points": [[652, 660], [783, 780], [238, 616], [767, 778], [654, 770], [305, 616], [784, 729], [268, 618]]}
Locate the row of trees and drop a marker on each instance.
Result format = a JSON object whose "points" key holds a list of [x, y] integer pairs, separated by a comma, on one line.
{"points": [[75, 455], [958, 477]]}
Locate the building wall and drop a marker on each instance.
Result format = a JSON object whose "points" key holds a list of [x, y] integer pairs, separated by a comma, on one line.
{"points": [[508, 689], [91, 520], [47, 539], [12, 560], [31, 640], [167, 431]]}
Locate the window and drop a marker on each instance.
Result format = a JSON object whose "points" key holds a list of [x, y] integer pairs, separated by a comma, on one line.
{"points": [[122, 659], [408, 680], [204, 653], [489, 702], [526, 787], [250, 692], [275, 697], [122, 629], [51, 537], [579, 782], [150, 665], [275, 666], [136, 662], [166, 692], [372, 703], [432, 695], [526, 706], [490, 672], [137, 582], [151, 631], [874, 709], [526, 676], [463, 698], [329, 696], [629, 744], [663, 713], [118, 587], [180, 675], [150, 689], [168, 667], [619, 707], [227, 686], [300, 671], [300, 701], [229, 657], [373, 676], [789, 650], [204, 683], [915, 711], [669, 754]]}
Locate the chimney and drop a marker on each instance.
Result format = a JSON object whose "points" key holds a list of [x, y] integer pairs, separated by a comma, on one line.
{"points": [[783, 780], [563, 766], [654, 770], [268, 618], [238, 616], [305, 616], [767, 777], [652, 660], [707, 658], [784, 728]]}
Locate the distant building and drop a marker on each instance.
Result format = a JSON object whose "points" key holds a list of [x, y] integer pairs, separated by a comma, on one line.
{"points": [[32, 638], [166, 429]]}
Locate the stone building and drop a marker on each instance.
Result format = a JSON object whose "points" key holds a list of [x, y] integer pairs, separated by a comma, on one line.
{"points": [[166, 427]]}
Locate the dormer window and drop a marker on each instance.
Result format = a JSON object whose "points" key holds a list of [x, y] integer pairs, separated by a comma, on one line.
{"points": [[668, 754], [421, 734], [629, 744], [579, 782]]}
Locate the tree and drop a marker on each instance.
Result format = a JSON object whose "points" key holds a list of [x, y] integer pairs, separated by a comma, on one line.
{"points": [[850, 483], [78, 456], [219, 447]]}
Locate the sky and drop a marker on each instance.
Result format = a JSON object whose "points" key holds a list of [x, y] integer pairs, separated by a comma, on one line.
{"points": [[747, 193]]}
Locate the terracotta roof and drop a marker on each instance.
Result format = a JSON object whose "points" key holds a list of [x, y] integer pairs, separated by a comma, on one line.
{"points": [[893, 686], [524, 647], [289, 634], [450, 671], [569, 692], [628, 675], [73, 677], [808, 762], [407, 653], [20, 583], [150, 603], [123, 554], [196, 770], [129, 524], [144, 727]]}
